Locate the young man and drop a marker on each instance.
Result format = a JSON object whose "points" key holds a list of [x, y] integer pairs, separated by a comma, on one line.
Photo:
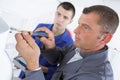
{"points": [[63, 17], [86, 59]]}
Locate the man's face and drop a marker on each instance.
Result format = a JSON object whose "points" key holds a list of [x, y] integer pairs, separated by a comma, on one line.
{"points": [[62, 18], [87, 33]]}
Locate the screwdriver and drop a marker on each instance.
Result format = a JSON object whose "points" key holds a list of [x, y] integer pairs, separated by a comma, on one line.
{"points": [[34, 34], [38, 34]]}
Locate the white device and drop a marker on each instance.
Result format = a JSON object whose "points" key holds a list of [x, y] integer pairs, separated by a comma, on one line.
{"points": [[20, 63], [5, 63]]}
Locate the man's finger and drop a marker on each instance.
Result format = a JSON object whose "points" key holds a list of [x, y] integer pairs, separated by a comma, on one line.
{"points": [[29, 40], [18, 37]]}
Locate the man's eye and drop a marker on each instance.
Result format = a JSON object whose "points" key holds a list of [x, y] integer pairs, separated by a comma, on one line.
{"points": [[65, 17], [86, 27], [58, 14]]}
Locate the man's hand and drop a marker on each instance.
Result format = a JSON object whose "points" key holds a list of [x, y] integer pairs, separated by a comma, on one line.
{"points": [[48, 42], [44, 69], [28, 49]]}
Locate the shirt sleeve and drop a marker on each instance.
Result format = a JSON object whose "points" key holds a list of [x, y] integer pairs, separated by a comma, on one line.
{"points": [[34, 75]]}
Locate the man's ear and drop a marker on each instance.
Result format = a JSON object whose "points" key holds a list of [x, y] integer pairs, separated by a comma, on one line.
{"points": [[107, 37]]}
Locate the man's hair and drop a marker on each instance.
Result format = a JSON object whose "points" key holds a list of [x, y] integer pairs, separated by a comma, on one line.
{"points": [[68, 6], [108, 17]]}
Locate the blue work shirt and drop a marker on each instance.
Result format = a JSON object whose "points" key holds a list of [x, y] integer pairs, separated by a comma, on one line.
{"points": [[60, 40]]}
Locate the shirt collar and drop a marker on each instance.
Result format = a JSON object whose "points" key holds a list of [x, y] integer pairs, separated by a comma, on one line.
{"points": [[85, 54]]}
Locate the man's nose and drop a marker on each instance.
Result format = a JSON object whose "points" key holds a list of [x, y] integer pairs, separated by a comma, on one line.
{"points": [[60, 19]]}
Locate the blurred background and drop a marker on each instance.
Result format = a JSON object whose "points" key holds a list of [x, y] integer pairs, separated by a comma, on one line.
{"points": [[27, 14]]}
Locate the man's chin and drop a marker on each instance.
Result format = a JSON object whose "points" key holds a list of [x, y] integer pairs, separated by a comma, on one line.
{"points": [[75, 44]]}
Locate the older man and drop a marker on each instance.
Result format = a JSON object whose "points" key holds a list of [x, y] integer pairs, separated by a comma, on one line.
{"points": [[86, 59]]}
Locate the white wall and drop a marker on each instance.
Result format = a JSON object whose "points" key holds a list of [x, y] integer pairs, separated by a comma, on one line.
{"points": [[25, 13]]}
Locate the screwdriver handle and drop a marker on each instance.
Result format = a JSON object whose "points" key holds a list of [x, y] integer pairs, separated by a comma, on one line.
{"points": [[38, 34]]}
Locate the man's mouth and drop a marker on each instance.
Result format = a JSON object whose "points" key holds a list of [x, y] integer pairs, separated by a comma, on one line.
{"points": [[58, 24]]}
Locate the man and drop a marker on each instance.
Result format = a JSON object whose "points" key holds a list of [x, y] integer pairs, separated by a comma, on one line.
{"points": [[86, 59], [63, 17]]}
